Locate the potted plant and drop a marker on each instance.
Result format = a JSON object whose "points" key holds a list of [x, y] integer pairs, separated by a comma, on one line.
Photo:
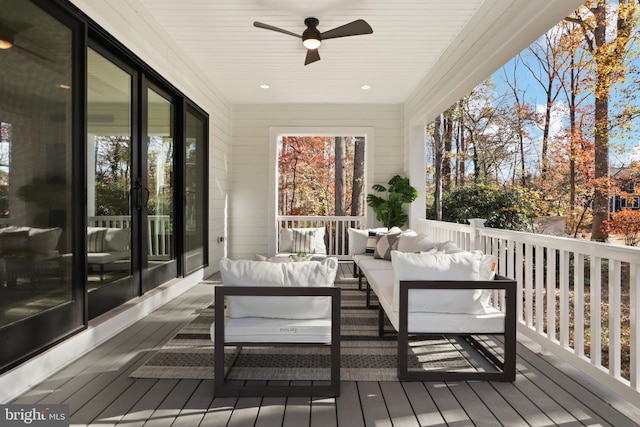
{"points": [[389, 210]]}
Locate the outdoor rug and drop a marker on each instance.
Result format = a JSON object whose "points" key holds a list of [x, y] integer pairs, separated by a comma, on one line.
{"points": [[364, 355]]}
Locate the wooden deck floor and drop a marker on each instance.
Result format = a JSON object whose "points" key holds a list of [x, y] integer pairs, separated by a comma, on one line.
{"points": [[99, 392]]}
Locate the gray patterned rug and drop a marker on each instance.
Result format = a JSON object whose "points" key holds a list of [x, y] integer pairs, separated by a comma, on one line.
{"points": [[364, 355]]}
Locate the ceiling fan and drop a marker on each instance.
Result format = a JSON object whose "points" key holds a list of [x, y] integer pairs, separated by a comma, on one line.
{"points": [[312, 38], [8, 32]]}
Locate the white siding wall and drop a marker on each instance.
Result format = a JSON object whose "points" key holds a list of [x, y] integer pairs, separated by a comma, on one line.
{"points": [[249, 205], [132, 25]]}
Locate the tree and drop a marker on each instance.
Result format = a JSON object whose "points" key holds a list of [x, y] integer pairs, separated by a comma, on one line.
{"points": [[607, 43], [438, 154], [340, 177], [550, 63], [627, 223], [357, 188]]}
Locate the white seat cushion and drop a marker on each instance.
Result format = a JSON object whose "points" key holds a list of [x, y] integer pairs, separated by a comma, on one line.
{"points": [[256, 330]]}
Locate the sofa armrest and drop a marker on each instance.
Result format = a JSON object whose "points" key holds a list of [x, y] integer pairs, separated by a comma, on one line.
{"points": [[499, 283]]}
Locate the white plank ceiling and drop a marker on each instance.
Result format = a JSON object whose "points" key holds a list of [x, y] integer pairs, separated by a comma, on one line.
{"points": [[409, 37]]}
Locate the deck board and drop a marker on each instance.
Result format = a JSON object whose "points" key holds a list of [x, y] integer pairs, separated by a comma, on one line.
{"points": [[99, 391]]}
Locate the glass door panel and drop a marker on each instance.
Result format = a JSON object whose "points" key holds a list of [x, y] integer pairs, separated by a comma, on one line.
{"points": [[109, 172], [157, 193], [40, 298]]}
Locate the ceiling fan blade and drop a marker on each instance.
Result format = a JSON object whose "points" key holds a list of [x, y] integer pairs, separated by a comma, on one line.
{"points": [[312, 56], [354, 28], [272, 28]]}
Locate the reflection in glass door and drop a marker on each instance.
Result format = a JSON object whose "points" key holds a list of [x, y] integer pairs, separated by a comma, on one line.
{"points": [[195, 204], [157, 193], [109, 172]]}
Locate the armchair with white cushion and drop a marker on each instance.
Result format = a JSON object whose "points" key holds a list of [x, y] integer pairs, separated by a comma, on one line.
{"points": [[264, 303]]}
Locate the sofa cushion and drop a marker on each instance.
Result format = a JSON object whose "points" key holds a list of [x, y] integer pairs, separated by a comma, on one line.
{"points": [[258, 273], [464, 266], [285, 240]]}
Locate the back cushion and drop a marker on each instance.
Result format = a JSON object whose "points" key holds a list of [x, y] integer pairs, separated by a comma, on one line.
{"points": [[357, 241], [44, 240], [464, 266], [117, 239], [260, 273]]}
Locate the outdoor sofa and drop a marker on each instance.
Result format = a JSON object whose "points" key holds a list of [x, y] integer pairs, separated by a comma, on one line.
{"points": [[434, 289]]}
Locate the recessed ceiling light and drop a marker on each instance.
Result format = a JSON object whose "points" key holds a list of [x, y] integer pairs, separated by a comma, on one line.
{"points": [[365, 87], [264, 86]]}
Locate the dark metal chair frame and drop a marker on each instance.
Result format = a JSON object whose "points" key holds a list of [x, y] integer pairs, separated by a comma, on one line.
{"points": [[225, 388], [505, 368]]}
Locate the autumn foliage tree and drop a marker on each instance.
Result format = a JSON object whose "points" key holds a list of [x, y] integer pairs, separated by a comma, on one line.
{"points": [[313, 181], [626, 223], [607, 40]]}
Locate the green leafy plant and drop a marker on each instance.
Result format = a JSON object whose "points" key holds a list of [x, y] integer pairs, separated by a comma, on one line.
{"points": [[390, 209]]}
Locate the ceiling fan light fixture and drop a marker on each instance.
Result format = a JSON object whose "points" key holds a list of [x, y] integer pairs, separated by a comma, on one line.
{"points": [[5, 43], [311, 43]]}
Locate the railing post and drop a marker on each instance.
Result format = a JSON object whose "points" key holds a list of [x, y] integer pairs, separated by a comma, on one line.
{"points": [[476, 223]]}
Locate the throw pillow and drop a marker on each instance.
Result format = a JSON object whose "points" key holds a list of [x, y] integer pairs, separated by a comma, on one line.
{"points": [[304, 240], [370, 249], [285, 240], [96, 239], [385, 243]]}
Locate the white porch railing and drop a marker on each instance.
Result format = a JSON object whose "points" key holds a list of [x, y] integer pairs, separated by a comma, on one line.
{"points": [[159, 232], [336, 236], [579, 301]]}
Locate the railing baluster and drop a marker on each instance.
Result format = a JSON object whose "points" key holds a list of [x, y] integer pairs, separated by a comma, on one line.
{"points": [[614, 317], [528, 283], [596, 311], [539, 294], [578, 304], [564, 299], [551, 294]]}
